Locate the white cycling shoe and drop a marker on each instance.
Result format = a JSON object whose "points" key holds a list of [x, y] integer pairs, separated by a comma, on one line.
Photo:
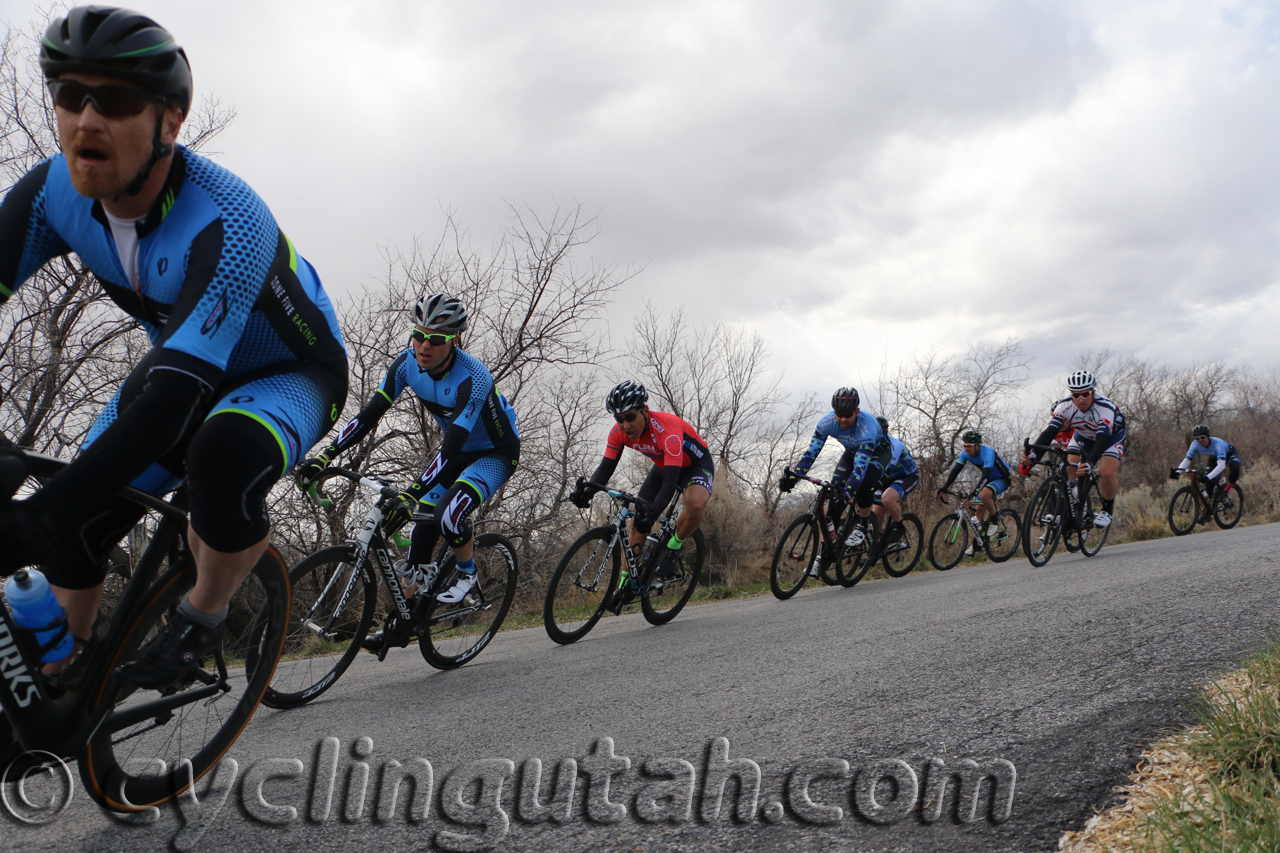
{"points": [[459, 590], [1102, 519]]}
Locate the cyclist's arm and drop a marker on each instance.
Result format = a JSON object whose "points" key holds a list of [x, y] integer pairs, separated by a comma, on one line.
{"points": [[670, 479], [1054, 427], [951, 476], [27, 240], [612, 453], [1218, 469], [810, 456]]}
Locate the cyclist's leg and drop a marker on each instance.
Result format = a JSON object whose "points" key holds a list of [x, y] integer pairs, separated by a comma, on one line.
{"points": [[1233, 470], [698, 483], [840, 482], [478, 482], [648, 491]]}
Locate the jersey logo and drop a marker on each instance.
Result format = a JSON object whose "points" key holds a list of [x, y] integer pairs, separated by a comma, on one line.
{"points": [[673, 444], [242, 399], [217, 316], [162, 265]]}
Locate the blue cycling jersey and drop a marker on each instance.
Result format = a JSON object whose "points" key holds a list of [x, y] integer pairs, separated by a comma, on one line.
{"points": [[993, 466], [901, 462], [864, 440], [1217, 449]]}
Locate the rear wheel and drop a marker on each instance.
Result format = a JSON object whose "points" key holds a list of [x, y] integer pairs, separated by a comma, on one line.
{"points": [[854, 562], [588, 571], [453, 634], [1003, 544], [1042, 528], [333, 607], [901, 556], [1183, 510], [139, 756], [663, 598], [1229, 508], [948, 541], [798, 549], [1091, 537]]}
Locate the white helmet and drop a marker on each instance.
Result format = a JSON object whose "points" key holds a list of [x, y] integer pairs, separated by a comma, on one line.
{"points": [[440, 313], [1081, 380]]}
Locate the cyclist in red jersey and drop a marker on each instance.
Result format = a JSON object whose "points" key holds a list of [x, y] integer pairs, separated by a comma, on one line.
{"points": [[680, 458]]}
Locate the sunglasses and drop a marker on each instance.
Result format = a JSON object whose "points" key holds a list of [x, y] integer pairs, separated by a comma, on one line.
{"points": [[436, 340], [844, 414], [110, 101], [1076, 395], [626, 417]]}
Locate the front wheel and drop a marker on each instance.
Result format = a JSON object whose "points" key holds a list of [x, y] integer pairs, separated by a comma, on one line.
{"points": [[1003, 544], [1183, 510], [333, 606], [1092, 537], [900, 557], [1042, 525], [663, 598], [1229, 508], [948, 541], [452, 634], [588, 571], [797, 554]]}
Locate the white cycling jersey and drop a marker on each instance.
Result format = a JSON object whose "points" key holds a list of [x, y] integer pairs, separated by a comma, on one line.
{"points": [[1102, 418]]}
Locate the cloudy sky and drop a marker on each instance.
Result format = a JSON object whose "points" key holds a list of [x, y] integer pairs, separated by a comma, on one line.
{"points": [[858, 180]]}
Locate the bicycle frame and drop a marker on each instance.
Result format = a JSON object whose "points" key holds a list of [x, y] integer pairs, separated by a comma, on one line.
{"points": [[619, 525], [821, 502], [63, 725]]}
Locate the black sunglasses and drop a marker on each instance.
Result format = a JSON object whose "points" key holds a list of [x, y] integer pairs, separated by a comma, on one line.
{"points": [[110, 101], [844, 414], [626, 417], [436, 340]]}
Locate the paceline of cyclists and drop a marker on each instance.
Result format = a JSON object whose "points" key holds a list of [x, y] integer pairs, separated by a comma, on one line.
{"points": [[248, 371]]}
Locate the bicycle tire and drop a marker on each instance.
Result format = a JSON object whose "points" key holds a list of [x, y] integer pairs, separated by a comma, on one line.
{"points": [[1184, 510], [853, 565], [456, 633], [1042, 525], [1092, 537], [899, 562], [257, 622], [1004, 544], [323, 639], [948, 541], [1228, 509], [798, 547], [581, 583], [662, 599]]}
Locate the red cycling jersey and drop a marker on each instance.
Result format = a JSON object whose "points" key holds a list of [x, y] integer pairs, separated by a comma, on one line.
{"points": [[669, 440]]}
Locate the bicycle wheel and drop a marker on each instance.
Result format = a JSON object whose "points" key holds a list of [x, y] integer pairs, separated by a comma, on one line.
{"points": [[1003, 544], [136, 758], [1184, 509], [901, 557], [453, 634], [1042, 525], [332, 609], [663, 598], [1229, 508], [947, 542], [853, 564], [797, 550], [1092, 537], [587, 572]]}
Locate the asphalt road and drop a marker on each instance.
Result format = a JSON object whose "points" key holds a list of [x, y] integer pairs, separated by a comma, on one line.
{"points": [[1059, 674]]}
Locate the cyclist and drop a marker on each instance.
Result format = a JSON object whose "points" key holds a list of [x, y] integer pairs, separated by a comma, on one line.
{"points": [[680, 458], [1222, 458], [479, 448], [867, 454], [995, 479], [247, 367], [1098, 438], [901, 477]]}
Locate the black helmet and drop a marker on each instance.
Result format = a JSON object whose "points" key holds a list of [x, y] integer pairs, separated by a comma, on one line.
{"points": [[971, 436], [626, 396], [120, 44], [845, 400], [1202, 429], [440, 313], [884, 423]]}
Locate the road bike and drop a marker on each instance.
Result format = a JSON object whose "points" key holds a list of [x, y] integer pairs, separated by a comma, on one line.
{"points": [[335, 599], [1061, 512], [137, 748], [900, 556], [1195, 504], [592, 567], [812, 547], [950, 537]]}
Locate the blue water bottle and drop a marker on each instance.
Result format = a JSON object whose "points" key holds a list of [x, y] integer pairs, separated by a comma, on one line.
{"points": [[35, 608]]}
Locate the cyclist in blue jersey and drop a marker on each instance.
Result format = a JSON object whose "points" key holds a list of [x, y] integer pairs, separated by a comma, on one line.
{"points": [[995, 479], [479, 449], [1223, 458], [247, 368], [901, 476], [866, 455]]}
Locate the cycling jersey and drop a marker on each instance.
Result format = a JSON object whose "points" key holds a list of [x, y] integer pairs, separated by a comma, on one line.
{"points": [[994, 468], [901, 462], [672, 444], [867, 452], [1221, 456], [1097, 428]]}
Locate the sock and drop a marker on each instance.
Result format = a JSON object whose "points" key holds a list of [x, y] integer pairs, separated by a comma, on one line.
{"points": [[1108, 505], [622, 581], [467, 568], [201, 617], [675, 543]]}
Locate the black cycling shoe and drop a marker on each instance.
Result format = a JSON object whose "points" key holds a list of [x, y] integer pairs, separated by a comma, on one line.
{"points": [[894, 533], [390, 637], [175, 653], [667, 568], [617, 600]]}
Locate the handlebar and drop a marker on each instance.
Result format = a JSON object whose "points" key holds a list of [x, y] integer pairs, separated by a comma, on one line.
{"points": [[620, 496], [384, 488], [799, 476]]}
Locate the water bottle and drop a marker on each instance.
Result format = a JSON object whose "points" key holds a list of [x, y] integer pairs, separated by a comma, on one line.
{"points": [[650, 543], [35, 608]]}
